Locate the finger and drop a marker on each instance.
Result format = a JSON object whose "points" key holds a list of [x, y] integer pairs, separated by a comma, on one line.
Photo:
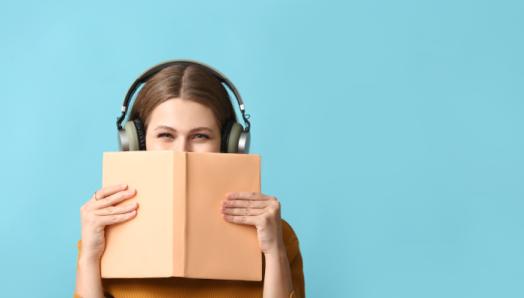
{"points": [[108, 190], [241, 219], [117, 218], [115, 198], [245, 195], [244, 203], [243, 211], [117, 209]]}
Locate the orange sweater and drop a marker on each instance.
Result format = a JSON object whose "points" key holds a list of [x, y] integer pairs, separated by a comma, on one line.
{"points": [[175, 287]]}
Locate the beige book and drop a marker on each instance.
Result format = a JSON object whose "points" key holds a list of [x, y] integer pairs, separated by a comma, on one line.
{"points": [[179, 230]]}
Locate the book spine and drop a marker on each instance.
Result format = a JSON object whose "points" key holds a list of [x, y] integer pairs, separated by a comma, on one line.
{"points": [[179, 213], [185, 195]]}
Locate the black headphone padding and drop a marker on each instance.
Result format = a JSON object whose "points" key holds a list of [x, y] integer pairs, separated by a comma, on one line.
{"points": [[140, 131]]}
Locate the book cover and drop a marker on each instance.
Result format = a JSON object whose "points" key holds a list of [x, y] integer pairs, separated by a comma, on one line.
{"points": [[179, 230]]}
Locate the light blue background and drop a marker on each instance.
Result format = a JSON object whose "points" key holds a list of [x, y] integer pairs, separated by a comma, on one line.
{"points": [[391, 131]]}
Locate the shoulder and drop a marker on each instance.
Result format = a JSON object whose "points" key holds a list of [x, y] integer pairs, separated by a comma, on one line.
{"points": [[290, 240]]}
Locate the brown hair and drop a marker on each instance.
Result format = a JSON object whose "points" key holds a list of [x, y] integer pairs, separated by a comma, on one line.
{"points": [[188, 81]]}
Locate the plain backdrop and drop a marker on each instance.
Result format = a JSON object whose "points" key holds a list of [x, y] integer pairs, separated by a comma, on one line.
{"points": [[391, 131]]}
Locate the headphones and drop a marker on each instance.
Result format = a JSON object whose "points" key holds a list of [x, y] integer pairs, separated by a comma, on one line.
{"points": [[132, 136]]}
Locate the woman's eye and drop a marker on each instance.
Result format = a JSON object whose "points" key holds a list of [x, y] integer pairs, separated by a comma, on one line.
{"points": [[165, 135], [200, 135]]}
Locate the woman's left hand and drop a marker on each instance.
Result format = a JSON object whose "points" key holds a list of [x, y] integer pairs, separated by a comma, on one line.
{"points": [[259, 210]]}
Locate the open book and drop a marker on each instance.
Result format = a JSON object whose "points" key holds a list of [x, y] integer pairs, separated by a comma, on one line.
{"points": [[179, 230]]}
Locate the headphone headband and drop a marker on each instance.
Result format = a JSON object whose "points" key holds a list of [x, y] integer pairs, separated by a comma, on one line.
{"points": [[157, 68]]}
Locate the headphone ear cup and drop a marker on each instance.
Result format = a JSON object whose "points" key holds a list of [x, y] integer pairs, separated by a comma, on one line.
{"points": [[133, 137], [122, 139], [233, 137], [244, 142], [141, 133]]}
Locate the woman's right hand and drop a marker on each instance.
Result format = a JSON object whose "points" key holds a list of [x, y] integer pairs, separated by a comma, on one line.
{"points": [[101, 211]]}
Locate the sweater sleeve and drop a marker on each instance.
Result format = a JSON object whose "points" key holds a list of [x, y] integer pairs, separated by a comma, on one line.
{"points": [[295, 260]]}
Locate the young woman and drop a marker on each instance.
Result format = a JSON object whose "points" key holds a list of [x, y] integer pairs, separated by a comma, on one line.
{"points": [[185, 107]]}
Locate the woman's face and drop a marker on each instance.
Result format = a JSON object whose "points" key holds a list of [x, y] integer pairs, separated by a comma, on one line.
{"points": [[182, 125]]}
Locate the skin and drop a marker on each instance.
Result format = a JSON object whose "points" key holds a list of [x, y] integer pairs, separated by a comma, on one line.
{"points": [[183, 125]]}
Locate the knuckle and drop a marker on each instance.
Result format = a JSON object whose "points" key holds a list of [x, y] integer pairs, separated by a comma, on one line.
{"points": [[85, 207], [270, 212], [265, 218], [276, 204], [115, 198]]}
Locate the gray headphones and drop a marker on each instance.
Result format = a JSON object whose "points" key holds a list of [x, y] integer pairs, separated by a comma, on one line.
{"points": [[132, 136]]}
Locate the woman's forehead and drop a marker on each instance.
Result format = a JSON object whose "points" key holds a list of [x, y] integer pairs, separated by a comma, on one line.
{"points": [[180, 115]]}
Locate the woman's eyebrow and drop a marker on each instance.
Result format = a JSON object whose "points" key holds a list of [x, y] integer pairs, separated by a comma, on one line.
{"points": [[194, 129], [202, 128], [164, 127]]}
